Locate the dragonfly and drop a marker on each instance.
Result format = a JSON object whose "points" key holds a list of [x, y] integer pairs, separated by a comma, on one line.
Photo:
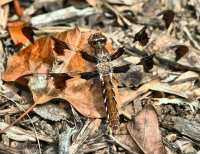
{"points": [[104, 71]]}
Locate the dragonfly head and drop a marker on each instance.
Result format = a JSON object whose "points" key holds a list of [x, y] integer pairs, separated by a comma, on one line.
{"points": [[97, 40]]}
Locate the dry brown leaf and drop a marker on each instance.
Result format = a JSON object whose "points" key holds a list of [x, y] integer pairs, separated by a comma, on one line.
{"points": [[127, 96], [126, 140], [51, 111], [15, 30], [36, 58], [84, 95], [146, 122]]}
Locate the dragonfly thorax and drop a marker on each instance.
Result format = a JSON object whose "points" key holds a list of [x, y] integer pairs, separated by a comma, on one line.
{"points": [[98, 41], [104, 66]]}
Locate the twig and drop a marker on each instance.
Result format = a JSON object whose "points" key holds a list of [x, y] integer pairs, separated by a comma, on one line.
{"points": [[55, 29], [19, 118], [94, 147], [163, 61], [12, 110], [146, 21], [62, 14], [187, 32], [118, 14]]}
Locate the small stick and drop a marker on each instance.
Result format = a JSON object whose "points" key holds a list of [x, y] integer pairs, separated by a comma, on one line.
{"points": [[119, 15], [18, 119], [18, 8], [187, 32], [61, 14]]}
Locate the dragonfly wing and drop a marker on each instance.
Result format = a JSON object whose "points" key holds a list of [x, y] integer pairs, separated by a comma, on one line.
{"points": [[118, 53], [121, 69], [65, 76], [88, 57], [89, 75], [59, 79]]}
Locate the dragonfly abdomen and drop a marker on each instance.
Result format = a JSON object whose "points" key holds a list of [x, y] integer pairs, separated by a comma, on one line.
{"points": [[110, 102]]}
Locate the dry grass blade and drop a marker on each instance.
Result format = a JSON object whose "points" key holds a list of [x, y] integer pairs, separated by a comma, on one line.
{"points": [[89, 127], [4, 149], [120, 18], [18, 119], [20, 134], [189, 35]]}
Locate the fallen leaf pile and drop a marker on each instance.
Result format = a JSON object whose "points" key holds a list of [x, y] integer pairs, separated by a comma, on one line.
{"points": [[42, 58]]}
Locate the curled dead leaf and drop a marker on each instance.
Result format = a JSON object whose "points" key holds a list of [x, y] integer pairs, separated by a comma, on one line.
{"points": [[146, 122]]}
